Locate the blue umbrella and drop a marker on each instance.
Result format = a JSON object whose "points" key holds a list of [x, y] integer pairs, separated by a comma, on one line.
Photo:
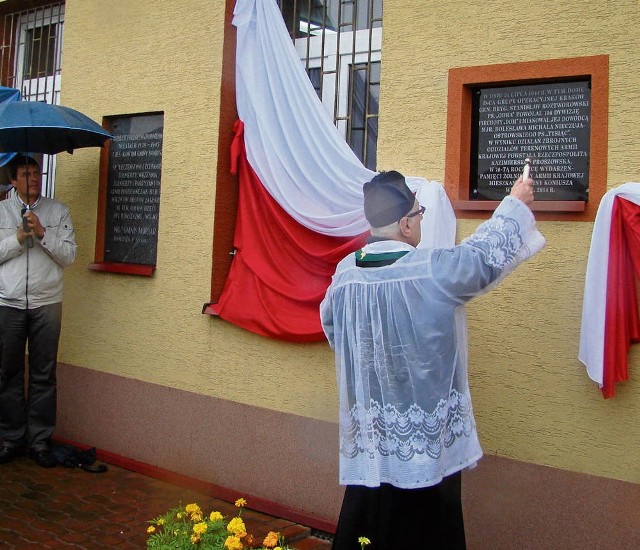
{"points": [[36, 127], [7, 95]]}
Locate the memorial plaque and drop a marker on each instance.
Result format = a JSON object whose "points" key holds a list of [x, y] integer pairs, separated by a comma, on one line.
{"points": [[133, 189], [549, 123]]}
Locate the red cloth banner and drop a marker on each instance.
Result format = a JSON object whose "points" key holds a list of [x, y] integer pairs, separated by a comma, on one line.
{"points": [[622, 322], [281, 270]]}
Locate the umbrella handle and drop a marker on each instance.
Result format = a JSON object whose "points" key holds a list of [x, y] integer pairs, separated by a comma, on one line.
{"points": [[25, 227]]}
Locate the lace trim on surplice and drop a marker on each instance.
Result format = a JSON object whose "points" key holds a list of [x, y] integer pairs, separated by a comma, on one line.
{"points": [[499, 238], [386, 431]]}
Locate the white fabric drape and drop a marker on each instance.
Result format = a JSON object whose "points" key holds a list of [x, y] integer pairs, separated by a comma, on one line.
{"points": [[439, 221], [292, 145], [594, 302], [297, 153]]}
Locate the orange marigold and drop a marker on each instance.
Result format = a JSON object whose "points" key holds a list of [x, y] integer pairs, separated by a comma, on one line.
{"points": [[270, 540]]}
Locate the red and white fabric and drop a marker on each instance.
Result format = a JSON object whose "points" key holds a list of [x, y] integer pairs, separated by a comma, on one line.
{"points": [[300, 188], [610, 320]]}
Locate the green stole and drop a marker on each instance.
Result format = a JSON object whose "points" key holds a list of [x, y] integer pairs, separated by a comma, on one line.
{"points": [[364, 259]]}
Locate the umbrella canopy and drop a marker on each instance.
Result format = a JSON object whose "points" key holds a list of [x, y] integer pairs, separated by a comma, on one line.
{"points": [[36, 127], [7, 95]]}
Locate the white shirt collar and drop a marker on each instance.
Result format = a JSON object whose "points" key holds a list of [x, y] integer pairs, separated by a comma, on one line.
{"points": [[380, 247]]}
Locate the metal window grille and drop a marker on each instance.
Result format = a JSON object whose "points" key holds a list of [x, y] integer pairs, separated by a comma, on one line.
{"points": [[339, 42], [31, 60]]}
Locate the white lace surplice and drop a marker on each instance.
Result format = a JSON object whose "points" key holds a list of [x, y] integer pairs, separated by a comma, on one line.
{"points": [[400, 340]]}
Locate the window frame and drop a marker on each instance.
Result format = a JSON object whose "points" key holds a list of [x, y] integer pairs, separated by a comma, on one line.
{"points": [[100, 264], [45, 88]]}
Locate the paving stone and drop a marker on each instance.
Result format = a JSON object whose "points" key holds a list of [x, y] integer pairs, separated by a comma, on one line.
{"points": [[11, 538], [59, 508], [311, 543], [76, 538]]}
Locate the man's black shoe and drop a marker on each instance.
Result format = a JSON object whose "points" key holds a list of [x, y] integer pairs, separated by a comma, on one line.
{"points": [[7, 454], [43, 458]]}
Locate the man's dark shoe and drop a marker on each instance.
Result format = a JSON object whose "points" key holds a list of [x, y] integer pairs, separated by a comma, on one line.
{"points": [[43, 458], [7, 454]]}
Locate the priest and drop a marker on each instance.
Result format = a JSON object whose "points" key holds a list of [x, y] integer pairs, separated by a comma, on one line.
{"points": [[394, 314]]}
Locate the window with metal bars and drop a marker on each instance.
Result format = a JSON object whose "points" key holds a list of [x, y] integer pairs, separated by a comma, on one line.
{"points": [[31, 60], [340, 43]]}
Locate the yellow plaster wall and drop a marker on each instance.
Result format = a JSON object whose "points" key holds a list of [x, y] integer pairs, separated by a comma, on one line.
{"points": [[532, 397], [125, 57]]}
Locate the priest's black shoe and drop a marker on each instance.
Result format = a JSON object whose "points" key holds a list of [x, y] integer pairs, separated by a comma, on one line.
{"points": [[43, 458], [7, 454]]}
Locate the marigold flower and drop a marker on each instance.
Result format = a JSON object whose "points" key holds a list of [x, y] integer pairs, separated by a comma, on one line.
{"points": [[200, 528], [236, 526], [161, 521], [215, 516], [364, 541], [270, 540], [233, 543], [151, 529], [179, 515], [194, 512], [195, 539], [241, 502]]}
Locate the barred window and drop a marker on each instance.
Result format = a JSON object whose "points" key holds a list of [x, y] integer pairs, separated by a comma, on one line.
{"points": [[340, 42], [31, 62]]}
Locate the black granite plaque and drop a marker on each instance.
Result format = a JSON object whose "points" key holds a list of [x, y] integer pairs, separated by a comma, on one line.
{"points": [[549, 123], [133, 189]]}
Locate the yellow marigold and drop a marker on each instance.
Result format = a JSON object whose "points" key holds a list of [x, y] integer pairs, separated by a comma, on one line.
{"points": [[364, 541], [216, 516], [236, 526], [241, 502], [194, 512], [151, 529], [233, 543], [195, 539], [161, 521], [200, 528], [191, 508], [270, 540]]}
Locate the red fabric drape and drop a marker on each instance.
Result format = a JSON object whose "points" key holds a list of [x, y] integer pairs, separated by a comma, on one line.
{"points": [[281, 269], [622, 322]]}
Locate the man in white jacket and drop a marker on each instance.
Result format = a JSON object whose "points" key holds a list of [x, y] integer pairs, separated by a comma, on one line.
{"points": [[37, 242]]}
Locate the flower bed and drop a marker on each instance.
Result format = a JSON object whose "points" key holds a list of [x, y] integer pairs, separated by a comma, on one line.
{"points": [[188, 528]]}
